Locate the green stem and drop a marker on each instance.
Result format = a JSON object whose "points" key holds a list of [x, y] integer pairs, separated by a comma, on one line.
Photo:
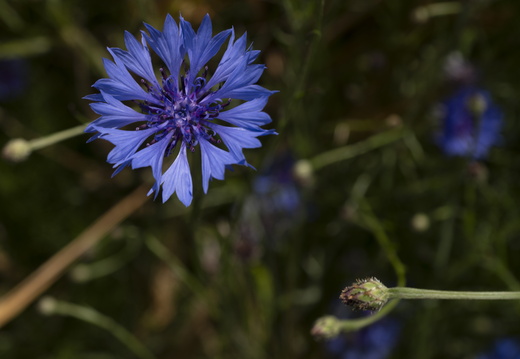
{"points": [[317, 32], [350, 151], [191, 281], [350, 325], [372, 223], [424, 13], [42, 142], [52, 306], [18, 149], [84, 272], [415, 293]]}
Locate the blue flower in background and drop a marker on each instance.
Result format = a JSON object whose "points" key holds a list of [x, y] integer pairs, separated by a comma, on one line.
{"points": [[14, 77], [472, 124], [273, 208], [179, 112], [276, 188], [373, 342], [506, 348]]}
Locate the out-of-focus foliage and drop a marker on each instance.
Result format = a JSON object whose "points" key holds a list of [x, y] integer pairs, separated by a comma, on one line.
{"points": [[246, 271]]}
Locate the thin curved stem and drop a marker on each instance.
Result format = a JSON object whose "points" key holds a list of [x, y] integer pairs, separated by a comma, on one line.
{"points": [[349, 325], [51, 306]]}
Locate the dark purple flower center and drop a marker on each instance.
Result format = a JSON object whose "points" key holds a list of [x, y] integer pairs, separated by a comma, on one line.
{"points": [[180, 112]]}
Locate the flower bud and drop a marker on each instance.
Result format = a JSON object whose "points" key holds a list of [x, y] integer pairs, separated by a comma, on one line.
{"points": [[477, 104], [17, 150], [420, 222], [304, 173], [47, 305], [326, 327], [366, 294]]}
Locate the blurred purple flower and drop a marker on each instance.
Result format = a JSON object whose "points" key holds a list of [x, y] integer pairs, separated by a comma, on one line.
{"points": [[276, 187], [376, 341], [506, 348], [13, 78], [471, 124], [459, 70], [273, 208], [182, 110]]}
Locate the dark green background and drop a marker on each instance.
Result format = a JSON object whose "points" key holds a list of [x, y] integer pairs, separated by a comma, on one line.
{"points": [[364, 69]]}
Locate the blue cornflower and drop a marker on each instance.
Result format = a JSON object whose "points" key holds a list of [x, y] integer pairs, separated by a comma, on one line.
{"points": [[183, 109], [472, 124]]}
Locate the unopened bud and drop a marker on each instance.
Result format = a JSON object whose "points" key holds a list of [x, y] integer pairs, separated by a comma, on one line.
{"points": [[326, 327], [477, 104], [303, 172], [47, 305], [420, 222], [17, 150], [366, 294]]}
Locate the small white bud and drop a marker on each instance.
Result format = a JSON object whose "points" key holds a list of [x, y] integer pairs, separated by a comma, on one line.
{"points": [[17, 150]]}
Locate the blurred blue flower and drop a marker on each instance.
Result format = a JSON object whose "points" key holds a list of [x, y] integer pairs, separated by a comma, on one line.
{"points": [[276, 187], [179, 112], [373, 342], [13, 78], [274, 207], [472, 124], [506, 348]]}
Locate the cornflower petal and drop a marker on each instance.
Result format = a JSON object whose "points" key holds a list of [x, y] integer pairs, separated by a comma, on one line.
{"points": [[114, 113], [249, 93], [236, 139], [201, 46], [178, 179], [136, 59], [126, 142], [248, 115], [167, 44], [214, 162], [242, 76], [121, 84], [235, 54], [153, 156]]}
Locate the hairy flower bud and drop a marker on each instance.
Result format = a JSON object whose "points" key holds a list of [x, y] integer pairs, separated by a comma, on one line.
{"points": [[326, 327], [365, 294]]}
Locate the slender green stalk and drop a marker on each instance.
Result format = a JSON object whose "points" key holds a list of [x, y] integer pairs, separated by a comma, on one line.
{"points": [[415, 293], [18, 149], [374, 225], [350, 151], [185, 276], [329, 326], [10, 16], [348, 325], [50, 306], [317, 35], [426, 12], [84, 272], [46, 141], [24, 47]]}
